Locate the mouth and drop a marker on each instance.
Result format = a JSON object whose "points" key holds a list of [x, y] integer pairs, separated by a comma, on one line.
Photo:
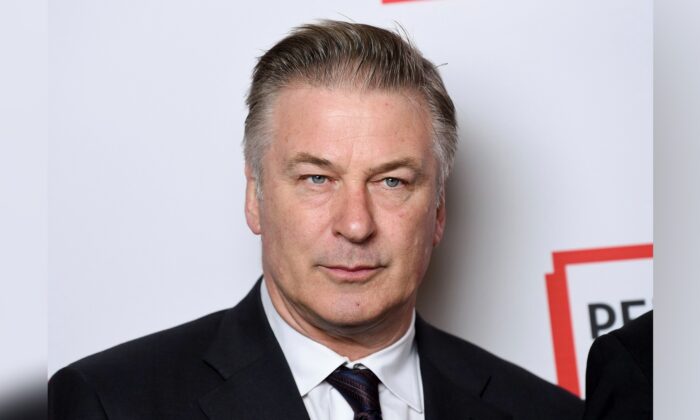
{"points": [[351, 274]]}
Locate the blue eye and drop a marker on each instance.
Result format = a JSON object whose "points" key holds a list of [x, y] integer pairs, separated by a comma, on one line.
{"points": [[392, 182], [318, 179]]}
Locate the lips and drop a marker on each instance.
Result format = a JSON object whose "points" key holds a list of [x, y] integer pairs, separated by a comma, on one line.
{"points": [[357, 273]]}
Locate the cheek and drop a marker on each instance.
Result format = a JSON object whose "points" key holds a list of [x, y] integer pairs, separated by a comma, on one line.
{"points": [[411, 234], [420, 221], [290, 226]]}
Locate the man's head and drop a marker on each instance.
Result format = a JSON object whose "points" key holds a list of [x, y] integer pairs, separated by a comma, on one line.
{"points": [[354, 56], [349, 139]]}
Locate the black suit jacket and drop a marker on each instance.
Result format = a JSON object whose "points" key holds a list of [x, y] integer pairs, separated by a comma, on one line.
{"points": [[228, 365], [619, 373]]}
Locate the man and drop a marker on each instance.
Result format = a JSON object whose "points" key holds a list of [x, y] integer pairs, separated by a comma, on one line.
{"points": [[349, 140], [620, 373]]}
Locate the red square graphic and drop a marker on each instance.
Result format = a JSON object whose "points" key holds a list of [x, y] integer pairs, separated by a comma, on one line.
{"points": [[560, 307]]}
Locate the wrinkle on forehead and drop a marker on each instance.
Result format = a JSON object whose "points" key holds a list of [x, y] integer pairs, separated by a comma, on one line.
{"points": [[336, 101], [350, 131]]}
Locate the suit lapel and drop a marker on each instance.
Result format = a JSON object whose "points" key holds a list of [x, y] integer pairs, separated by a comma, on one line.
{"points": [[258, 392], [258, 383], [257, 380], [450, 390]]}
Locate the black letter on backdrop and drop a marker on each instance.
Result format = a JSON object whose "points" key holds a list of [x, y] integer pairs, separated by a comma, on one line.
{"points": [[626, 305], [596, 326]]}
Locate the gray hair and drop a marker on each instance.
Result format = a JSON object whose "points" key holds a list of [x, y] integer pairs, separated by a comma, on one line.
{"points": [[342, 54]]}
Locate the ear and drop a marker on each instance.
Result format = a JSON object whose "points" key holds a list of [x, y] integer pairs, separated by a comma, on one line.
{"points": [[440, 219], [252, 204]]}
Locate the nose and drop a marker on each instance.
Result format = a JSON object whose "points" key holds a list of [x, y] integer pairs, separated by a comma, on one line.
{"points": [[353, 219]]}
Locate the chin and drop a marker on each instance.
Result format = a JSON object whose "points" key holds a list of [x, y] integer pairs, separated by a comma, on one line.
{"points": [[347, 319]]}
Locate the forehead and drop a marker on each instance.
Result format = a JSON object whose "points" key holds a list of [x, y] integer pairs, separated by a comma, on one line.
{"points": [[342, 120]]}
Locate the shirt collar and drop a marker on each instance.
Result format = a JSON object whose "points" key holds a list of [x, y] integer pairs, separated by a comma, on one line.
{"points": [[397, 366]]}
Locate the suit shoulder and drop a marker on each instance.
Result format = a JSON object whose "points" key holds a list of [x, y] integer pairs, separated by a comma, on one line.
{"points": [[457, 352], [181, 345], [180, 340], [619, 373], [508, 385], [163, 372], [637, 337]]}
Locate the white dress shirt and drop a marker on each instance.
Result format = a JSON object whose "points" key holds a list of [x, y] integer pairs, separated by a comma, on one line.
{"points": [[396, 366]]}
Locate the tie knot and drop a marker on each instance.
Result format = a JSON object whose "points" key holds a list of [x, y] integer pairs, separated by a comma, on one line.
{"points": [[360, 388]]}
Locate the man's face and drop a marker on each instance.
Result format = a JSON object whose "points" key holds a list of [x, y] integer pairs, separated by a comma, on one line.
{"points": [[348, 214]]}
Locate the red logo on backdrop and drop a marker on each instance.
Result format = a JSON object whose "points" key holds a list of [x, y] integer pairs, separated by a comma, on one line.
{"points": [[560, 306]]}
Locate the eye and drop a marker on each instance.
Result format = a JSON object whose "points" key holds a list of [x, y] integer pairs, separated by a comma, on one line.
{"points": [[392, 182], [318, 179]]}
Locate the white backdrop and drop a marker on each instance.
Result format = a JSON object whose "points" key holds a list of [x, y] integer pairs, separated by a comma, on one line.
{"points": [[146, 225], [23, 196]]}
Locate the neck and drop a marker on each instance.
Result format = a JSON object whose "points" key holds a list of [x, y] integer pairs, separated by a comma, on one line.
{"points": [[353, 342]]}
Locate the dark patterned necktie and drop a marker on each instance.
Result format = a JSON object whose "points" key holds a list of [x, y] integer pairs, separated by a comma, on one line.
{"points": [[360, 388]]}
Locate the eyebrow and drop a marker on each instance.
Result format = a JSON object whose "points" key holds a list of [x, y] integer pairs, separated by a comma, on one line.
{"points": [[307, 158], [408, 163]]}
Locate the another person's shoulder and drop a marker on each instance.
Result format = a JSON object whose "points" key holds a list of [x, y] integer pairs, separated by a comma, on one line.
{"points": [[619, 373], [637, 339], [503, 384], [629, 347]]}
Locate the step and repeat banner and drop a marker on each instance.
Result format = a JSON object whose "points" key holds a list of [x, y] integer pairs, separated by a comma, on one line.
{"points": [[549, 208]]}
